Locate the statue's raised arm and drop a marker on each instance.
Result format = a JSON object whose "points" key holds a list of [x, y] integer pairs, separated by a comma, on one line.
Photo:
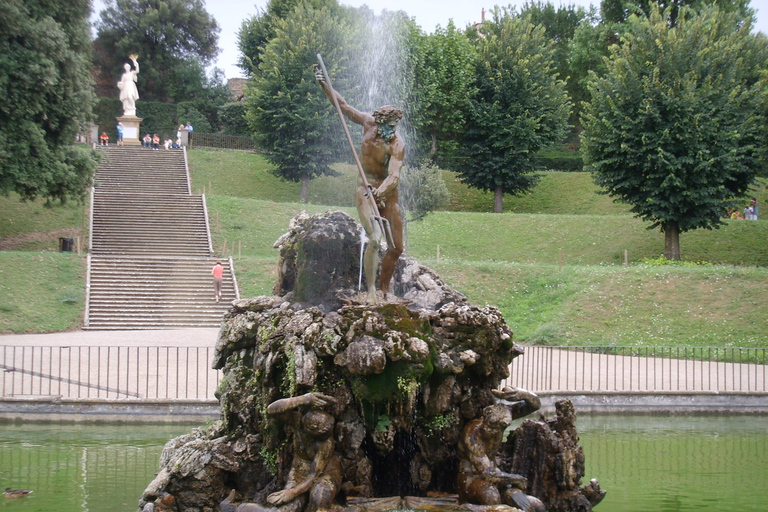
{"points": [[349, 111]]}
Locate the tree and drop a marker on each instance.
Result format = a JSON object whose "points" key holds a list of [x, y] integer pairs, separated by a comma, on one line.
{"points": [[520, 107], [46, 96], [175, 40], [586, 52], [619, 11], [256, 31], [444, 72], [290, 116], [422, 190], [674, 126], [560, 25]]}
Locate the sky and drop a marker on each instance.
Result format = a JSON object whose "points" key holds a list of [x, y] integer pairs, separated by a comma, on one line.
{"points": [[428, 14]]}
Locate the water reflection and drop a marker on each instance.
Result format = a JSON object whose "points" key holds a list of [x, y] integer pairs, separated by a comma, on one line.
{"points": [[87, 468], [669, 464], [680, 463]]}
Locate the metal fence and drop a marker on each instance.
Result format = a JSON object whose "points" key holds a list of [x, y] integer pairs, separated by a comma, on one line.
{"points": [[644, 369], [220, 141], [184, 373], [117, 373]]}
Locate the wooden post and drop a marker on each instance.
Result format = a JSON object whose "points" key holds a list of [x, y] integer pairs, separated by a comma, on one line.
{"points": [[224, 251], [626, 258], [438, 254]]}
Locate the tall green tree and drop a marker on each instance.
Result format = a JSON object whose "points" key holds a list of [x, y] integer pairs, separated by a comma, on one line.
{"points": [[288, 113], [175, 40], [519, 107], [560, 25], [674, 127], [255, 32], [46, 96], [444, 74], [619, 11]]}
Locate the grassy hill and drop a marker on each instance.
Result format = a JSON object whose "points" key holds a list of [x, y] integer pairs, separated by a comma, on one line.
{"points": [[552, 263]]}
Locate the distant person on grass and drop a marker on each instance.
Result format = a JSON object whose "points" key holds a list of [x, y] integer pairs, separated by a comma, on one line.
{"points": [[218, 276], [754, 208]]}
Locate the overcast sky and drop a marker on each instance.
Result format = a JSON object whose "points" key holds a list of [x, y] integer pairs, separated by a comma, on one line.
{"points": [[428, 14]]}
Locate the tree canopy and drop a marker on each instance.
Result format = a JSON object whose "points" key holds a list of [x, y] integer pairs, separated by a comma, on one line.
{"points": [[46, 96], [175, 40], [287, 111], [256, 31], [444, 73], [519, 107], [675, 126]]}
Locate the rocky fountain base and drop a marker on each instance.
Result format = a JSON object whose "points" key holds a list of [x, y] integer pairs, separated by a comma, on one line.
{"points": [[327, 403]]}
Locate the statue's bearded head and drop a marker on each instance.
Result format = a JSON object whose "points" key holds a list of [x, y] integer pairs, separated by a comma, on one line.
{"points": [[386, 118]]}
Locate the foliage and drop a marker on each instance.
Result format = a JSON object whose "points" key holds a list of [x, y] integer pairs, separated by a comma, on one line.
{"points": [[672, 127], [619, 11], [559, 159], [46, 94], [187, 112], [519, 107], [586, 53], [444, 72], [159, 117], [175, 40], [421, 190], [255, 32], [290, 116], [560, 25], [232, 118]]}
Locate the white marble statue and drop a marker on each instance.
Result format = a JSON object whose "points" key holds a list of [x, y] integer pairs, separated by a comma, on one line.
{"points": [[127, 85]]}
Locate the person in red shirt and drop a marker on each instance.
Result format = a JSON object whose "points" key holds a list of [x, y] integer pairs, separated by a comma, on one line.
{"points": [[104, 139], [218, 276], [155, 142]]}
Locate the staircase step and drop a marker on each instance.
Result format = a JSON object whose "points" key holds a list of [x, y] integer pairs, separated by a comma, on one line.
{"points": [[150, 265]]}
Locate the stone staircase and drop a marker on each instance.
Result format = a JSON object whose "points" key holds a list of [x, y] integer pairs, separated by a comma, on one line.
{"points": [[150, 256]]}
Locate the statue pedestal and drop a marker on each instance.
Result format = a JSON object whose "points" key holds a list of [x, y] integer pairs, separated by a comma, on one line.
{"points": [[131, 130]]}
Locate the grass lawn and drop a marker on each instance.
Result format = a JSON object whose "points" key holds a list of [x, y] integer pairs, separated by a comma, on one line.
{"points": [[552, 263], [41, 291], [33, 226], [717, 306]]}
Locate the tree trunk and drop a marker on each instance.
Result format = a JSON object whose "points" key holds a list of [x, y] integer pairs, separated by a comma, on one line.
{"points": [[304, 188], [498, 196], [671, 241]]}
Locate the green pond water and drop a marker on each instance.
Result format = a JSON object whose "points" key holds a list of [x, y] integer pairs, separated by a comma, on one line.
{"points": [[668, 464]]}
